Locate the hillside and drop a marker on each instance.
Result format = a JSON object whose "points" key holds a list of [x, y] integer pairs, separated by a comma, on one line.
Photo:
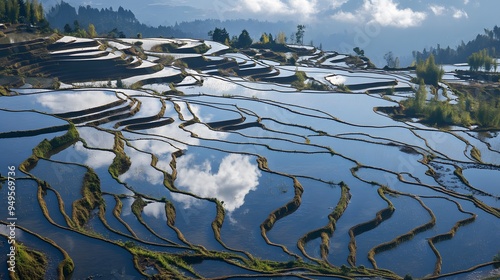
{"points": [[490, 41], [105, 20]]}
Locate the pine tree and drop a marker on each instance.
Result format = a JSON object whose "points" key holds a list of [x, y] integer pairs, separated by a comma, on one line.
{"points": [[29, 13]]}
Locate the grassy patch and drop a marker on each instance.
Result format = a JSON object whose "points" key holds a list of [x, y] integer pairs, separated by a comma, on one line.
{"points": [[30, 264], [121, 163], [166, 60], [478, 104], [476, 154], [165, 48], [137, 206], [47, 148], [167, 264], [66, 267], [92, 198], [343, 88]]}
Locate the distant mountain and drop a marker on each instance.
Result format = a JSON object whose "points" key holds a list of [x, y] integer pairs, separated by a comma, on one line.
{"points": [[105, 20], [490, 41]]}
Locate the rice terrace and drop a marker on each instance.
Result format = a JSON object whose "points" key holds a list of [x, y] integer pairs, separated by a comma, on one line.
{"points": [[176, 158]]}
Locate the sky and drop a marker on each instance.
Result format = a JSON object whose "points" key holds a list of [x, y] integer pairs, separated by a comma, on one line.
{"points": [[377, 26]]}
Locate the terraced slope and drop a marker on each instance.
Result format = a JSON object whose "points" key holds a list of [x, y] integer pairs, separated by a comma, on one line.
{"points": [[216, 166]]}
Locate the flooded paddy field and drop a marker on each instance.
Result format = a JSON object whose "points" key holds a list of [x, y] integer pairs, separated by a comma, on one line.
{"points": [[219, 167]]}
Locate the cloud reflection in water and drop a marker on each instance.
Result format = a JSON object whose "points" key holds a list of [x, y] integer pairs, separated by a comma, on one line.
{"points": [[236, 177], [60, 102]]}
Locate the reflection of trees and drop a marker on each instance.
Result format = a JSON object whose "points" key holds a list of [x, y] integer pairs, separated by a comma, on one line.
{"points": [[235, 178]]}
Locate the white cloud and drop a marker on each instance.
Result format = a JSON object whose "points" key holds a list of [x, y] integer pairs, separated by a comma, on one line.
{"points": [[235, 178], [59, 102], [454, 12], [387, 13], [264, 6], [383, 12], [281, 9], [338, 3], [437, 9], [345, 17], [458, 14], [156, 210], [466, 2]]}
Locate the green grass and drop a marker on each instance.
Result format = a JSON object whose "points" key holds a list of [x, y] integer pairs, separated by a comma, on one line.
{"points": [[92, 198], [137, 206], [30, 264], [476, 154], [478, 104], [47, 148], [66, 267], [121, 163]]}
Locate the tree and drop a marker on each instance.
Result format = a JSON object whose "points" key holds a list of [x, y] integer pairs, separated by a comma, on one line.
{"points": [[119, 83], [359, 51], [299, 35], [392, 62], [264, 39], [139, 35], [28, 11], [219, 35], [12, 10], [244, 40], [37, 11], [76, 25], [91, 31], [482, 59], [281, 38], [67, 28], [429, 72]]}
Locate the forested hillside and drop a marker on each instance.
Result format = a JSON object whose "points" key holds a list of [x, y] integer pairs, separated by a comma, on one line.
{"points": [[490, 41], [63, 16], [106, 19], [23, 11]]}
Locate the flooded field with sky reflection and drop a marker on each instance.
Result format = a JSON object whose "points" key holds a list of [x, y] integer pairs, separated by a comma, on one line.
{"points": [[196, 172]]}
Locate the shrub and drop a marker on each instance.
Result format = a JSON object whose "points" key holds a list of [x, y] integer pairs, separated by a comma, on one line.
{"points": [[300, 79], [119, 83], [429, 72]]}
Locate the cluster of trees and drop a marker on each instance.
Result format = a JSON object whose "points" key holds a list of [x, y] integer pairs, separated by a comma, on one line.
{"points": [[200, 28], [437, 112], [429, 72], [474, 107], [105, 20], [482, 59], [22, 11], [91, 32], [222, 36], [488, 114], [392, 62], [490, 40], [244, 40], [78, 31]]}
